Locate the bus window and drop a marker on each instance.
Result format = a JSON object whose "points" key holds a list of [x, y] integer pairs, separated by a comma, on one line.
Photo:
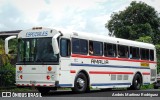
{"points": [[122, 51], [75, 46], [96, 48], [84, 46], [79, 46], [134, 53], [151, 55], [90, 48], [110, 50], [144, 54], [65, 47]]}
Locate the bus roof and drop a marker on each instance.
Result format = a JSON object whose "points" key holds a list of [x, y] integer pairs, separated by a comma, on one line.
{"points": [[90, 36], [107, 39]]}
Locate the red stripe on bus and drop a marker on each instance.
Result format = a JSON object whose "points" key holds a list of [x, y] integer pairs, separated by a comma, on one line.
{"points": [[104, 72], [72, 71], [146, 73], [110, 58]]}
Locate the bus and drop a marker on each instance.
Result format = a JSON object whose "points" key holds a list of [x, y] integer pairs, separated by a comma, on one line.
{"points": [[50, 58]]}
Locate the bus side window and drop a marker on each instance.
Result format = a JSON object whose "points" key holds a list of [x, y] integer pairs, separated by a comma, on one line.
{"points": [[65, 47], [83, 46], [122, 51], [109, 50], [75, 46], [79, 46], [91, 48], [95, 48], [144, 54], [134, 53], [152, 55]]}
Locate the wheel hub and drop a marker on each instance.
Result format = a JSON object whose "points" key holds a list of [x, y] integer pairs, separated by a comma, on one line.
{"points": [[80, 82]]}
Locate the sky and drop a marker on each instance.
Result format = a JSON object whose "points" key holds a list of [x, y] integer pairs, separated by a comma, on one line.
{"points": [[78, 15]]}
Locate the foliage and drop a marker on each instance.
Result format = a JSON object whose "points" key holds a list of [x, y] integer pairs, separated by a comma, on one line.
{"points": [[8, 74], [146, 39], [139, 22], [3, 57], [150, 86], [13, 45], [158, 56]]}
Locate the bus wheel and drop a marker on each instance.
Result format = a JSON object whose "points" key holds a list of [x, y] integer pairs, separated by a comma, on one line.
{"points": [[43, 90], [137, 82], [155, 87], [80, 83]]}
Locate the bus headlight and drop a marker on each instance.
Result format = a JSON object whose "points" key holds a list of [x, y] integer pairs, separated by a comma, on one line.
{"points": [[52, 77]]}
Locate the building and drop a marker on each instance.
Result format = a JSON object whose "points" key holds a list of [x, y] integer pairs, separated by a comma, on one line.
{"points": [[4, 34]]}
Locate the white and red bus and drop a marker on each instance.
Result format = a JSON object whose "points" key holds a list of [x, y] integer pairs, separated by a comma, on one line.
{"points": [[50, 59]]}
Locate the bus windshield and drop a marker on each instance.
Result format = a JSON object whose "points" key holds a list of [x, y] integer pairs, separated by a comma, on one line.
{"points": [[36, 50]]}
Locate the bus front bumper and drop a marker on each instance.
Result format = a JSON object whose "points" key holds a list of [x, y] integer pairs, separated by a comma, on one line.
{"points": [[36, 84]]}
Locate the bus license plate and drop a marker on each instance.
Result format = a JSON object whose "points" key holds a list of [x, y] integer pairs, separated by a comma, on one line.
{"points": [[32, 82]]}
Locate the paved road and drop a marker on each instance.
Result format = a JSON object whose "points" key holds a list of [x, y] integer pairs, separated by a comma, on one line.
{"points": [[103, 93], [93, 95]]}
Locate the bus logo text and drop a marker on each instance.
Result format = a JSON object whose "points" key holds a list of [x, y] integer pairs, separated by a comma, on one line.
{"points": [[36, 34], [94, 61]]}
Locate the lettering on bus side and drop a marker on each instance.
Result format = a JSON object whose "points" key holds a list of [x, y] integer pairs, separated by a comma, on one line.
{"points": [[36, 34], [96, 61]]}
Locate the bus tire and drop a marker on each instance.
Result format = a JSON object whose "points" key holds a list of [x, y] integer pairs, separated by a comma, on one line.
{"points": [[155, 87], [80, 83], [43, 90], [137, 82]]}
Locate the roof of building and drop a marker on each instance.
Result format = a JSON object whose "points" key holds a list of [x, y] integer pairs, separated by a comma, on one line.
{"points": [[8, 33]]}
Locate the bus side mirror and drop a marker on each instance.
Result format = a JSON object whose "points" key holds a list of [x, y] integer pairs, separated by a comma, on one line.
{"points": [[6, 43], [55, 44]]}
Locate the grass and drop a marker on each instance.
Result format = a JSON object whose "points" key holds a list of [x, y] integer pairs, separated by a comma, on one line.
{"points": [[16, 89], [150, 86]]}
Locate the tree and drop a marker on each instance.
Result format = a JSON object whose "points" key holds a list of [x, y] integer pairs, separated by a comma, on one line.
{"points": [[4, 58], [139, 22], [146, 39]]}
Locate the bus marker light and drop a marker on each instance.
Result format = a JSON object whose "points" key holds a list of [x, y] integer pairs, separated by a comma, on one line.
{"points": [[21, 76], [48, 77], [20, 68], [49, 68]]}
